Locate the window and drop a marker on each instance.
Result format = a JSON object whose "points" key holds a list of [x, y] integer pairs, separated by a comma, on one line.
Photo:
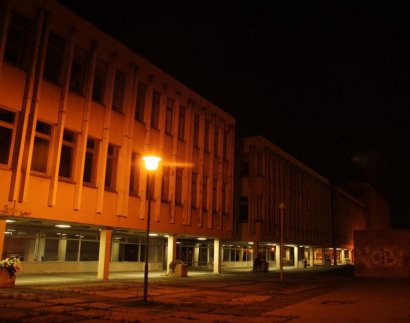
{"points": [[193, 189], [243, 209], [196, 130], [90, 165], [206, 144], [41, 149], [224, 197], [135, 173], [78, 71], [178, 186], [155, 109], [225, 145], [214, 194], [54, 58], [205, 193], [168, 118], [67, 155], [19, 41], [165, 184], [100, 80], [111, 170], [119, 92], [216, 142], [140, 108], [7, 122], [181, 127]]}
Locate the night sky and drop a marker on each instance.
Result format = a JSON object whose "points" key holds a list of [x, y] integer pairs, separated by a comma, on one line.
{"points": [[327, 81]]}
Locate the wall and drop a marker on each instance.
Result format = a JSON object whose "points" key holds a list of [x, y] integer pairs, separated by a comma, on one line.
{"points": [[60, 267], [382, 253]]}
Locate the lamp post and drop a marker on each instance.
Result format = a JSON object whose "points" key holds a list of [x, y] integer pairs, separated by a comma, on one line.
{"points": [[151, 165], [281, 207]]}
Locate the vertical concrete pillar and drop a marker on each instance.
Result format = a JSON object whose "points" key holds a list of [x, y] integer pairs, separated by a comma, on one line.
{"points": [[311, 257], [277, 256], [29, 249], [241, 255], [295, 256], [255, 249], [217, 256], [2, 237], [115, 250], [172, 249], [104, 255], [40, 247], [62, 248], [195, 262]]}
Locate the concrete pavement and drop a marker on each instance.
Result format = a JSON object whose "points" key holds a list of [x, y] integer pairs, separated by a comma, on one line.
{"points": [[316, 295]]}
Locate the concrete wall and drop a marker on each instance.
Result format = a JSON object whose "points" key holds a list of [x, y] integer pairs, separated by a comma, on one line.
{"points": [[382, 253], [60, 267]]}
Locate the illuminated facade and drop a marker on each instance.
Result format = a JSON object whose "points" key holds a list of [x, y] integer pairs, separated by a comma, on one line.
{"points": [[78, 110], [318, 218]]}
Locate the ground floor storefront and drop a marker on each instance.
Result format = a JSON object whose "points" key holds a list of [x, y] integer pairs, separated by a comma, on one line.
{"points": [[57, 249]]}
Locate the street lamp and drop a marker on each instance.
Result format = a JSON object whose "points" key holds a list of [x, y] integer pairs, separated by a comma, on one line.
{"points": [[151, 165], [281, 207]]}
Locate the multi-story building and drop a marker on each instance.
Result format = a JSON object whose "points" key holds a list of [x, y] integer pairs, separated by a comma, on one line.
{"points": [[281, 201], [78, 110]]}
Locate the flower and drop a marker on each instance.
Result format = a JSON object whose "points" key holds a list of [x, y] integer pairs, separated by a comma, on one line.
{"points": [[11, 265]]}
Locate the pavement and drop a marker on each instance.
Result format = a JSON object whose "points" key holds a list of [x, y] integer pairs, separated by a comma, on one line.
{"points": [[312, 295]]}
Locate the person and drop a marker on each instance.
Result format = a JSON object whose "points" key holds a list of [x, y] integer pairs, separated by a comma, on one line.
{"points": [[256, 263]]}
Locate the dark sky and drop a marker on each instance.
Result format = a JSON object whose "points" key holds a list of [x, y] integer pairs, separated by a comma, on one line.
{"points": [[328, 81]]}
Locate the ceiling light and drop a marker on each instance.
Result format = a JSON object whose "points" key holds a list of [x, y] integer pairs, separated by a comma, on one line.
{"points": [[63, 226]]}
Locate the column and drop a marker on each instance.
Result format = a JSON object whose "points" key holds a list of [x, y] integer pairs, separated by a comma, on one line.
{"points": [[255, 248], [62, 248], [115, 250], [29, 249], [39, 247], [295, 256], [277, 256], [217, 256], [2, 236], [196, 256], [104, 255], [172, 249]]}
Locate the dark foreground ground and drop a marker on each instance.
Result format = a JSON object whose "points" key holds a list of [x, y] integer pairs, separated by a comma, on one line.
{"points": [[310, 295]]}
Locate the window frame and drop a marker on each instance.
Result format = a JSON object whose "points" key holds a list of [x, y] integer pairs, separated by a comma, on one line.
{"points": [[48, 137], [12, 127]]}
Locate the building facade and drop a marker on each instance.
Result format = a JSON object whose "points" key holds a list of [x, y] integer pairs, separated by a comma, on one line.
{"points": [[78, 110], [281, 201]]}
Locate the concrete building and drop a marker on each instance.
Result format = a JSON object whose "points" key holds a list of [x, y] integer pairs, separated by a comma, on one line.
{"points": [[78, 110], [280, 199]]}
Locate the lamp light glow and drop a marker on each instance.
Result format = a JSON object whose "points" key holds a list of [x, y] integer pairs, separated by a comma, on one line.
{"points": [[151, 162]]}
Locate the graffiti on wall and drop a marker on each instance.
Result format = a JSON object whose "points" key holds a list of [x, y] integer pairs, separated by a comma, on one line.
{"points": [[383, 257]]}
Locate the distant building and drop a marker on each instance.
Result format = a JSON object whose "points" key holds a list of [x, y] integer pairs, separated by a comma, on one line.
{"points": [[377, 208], [318, 218]]}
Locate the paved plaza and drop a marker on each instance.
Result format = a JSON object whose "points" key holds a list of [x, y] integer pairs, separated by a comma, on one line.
{"points": [[311, 295]]}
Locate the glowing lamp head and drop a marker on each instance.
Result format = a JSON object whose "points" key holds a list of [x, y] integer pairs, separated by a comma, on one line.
{"points": [[151, 162]]}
